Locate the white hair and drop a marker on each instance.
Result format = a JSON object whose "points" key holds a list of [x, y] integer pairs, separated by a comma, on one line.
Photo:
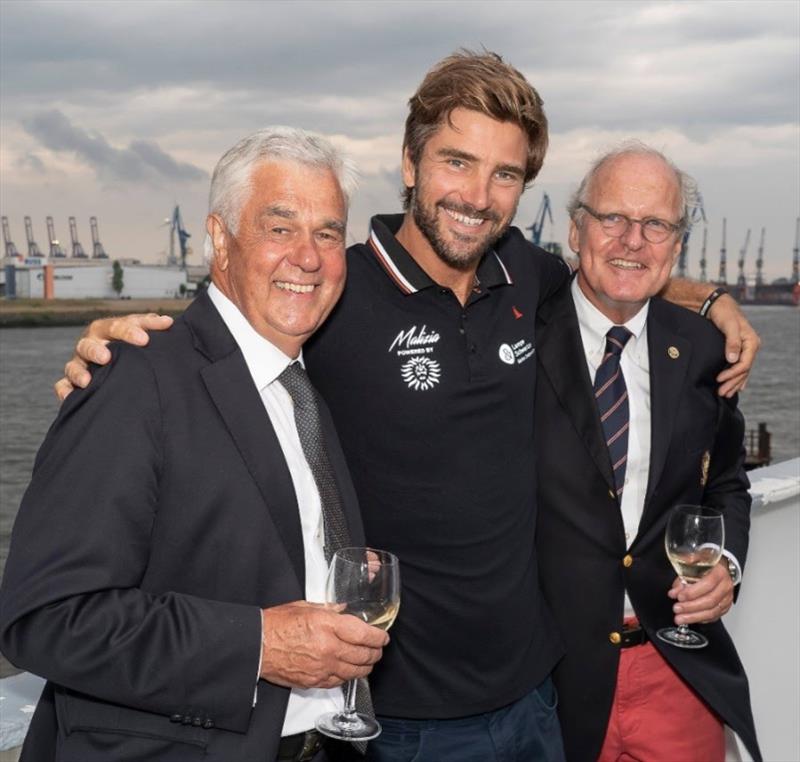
{"points": [[687, 186], [231, 182]]}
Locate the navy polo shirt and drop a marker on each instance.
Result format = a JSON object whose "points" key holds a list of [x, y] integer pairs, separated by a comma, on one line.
{"points": [[433, 402]]}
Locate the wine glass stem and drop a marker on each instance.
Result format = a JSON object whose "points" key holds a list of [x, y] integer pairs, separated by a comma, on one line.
{"points": [[350, 698]]}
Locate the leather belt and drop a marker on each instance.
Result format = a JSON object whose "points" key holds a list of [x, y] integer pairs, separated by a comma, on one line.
{"points": [[633, 636], [301, 747]]}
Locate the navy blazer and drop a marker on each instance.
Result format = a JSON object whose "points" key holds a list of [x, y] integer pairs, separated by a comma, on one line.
{"points": [[580, 533], [160, 519]]}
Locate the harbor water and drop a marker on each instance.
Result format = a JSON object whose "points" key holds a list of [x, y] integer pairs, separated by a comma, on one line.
{"points": [[31, 359]]}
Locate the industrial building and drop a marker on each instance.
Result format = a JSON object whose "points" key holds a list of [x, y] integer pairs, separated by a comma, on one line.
{"points": [[59, 272]]}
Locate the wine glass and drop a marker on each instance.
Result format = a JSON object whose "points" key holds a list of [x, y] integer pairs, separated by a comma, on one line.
{"points": [[694, 541], [365, 583]]}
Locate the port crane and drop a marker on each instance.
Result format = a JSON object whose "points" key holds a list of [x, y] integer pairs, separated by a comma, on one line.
{"points": [[98, 252], [723, 255], [177, 229], [77, 249], [33, 247], [55, 247], [741, 281], [11, 249], [545, 212], [698, 213], [796, 254], [538, 224], [703, 277], [760, 261]]}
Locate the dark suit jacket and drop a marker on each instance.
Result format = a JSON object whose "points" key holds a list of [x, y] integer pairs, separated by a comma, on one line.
{"points": [[160, 517], [580, 534]]}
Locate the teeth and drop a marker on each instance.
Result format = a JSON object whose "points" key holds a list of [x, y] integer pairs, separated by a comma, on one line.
{"points": [[626, 264], [463, 219], [297, 288]]}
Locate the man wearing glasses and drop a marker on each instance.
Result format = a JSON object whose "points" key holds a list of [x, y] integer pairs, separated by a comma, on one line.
{"points": [[631, 428]]}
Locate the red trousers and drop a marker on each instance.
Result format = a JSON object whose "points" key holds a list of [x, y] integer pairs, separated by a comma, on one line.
{"points": [[657, 717]]}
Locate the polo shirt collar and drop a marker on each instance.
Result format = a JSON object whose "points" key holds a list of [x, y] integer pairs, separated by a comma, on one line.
{"points": [[407, 275]]}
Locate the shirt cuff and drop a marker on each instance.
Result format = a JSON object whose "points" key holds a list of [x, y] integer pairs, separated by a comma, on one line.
{"points": [[737, 577], [261, 655]]}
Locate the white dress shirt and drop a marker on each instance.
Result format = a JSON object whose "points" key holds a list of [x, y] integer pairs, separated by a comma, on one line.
{"points": [[635, 365], [265, 363]]}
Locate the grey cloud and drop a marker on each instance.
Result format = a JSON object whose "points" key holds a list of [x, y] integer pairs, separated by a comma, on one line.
{"points": [[31, 162], [141, 161]]}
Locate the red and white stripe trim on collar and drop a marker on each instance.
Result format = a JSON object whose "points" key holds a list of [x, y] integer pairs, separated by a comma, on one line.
{"points": [[388, 264]]}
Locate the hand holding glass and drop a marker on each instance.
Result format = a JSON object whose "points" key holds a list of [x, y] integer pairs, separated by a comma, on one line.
{"points": [[694, 541], [365, 583]]}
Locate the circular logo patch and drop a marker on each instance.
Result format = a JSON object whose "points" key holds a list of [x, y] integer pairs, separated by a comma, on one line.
{"points": [[506, 354]]}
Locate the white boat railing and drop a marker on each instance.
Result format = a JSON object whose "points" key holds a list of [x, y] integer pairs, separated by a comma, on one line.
{"points": [[765, 623]]}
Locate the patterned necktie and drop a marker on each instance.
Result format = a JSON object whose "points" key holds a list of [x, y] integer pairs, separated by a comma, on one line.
{"points": [[611, 396], [306, 417], [309, 429]]}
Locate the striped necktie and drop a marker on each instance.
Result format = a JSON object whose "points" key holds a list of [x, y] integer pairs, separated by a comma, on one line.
{"points": [[611, 396]]}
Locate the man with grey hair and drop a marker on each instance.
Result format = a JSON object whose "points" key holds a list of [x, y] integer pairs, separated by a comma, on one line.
{"points": [[166, 551], [639, 420]]}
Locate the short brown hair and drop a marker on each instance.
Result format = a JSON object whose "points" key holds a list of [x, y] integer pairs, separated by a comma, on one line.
{"points": [[479, 82]]}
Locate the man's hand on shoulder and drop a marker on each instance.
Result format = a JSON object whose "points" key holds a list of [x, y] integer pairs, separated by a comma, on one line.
{"points": [[309, 645], [91, 346], [741, 344]]}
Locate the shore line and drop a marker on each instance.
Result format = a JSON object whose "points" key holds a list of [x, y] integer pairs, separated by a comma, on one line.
{"points": [[34, 313]]}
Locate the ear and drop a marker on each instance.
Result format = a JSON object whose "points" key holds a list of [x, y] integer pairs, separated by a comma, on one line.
{"points": [[677, 249], [218, 233], [409, 170], [574, 237]]}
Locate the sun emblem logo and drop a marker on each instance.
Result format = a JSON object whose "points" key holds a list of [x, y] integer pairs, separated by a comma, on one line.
{"points": [[421, 373]]}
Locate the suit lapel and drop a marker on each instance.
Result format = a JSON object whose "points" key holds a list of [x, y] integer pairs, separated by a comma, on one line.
{"points": [[562, 357], [231, 387], [669, 354]]}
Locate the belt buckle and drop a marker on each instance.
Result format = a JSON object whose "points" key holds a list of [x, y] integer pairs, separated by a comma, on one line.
{"points": [[312, 743]]}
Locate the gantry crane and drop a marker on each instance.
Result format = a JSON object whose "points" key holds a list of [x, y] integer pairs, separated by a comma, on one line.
{"points": [[55, 247], [698, 213], [33, 247], [77, 249], [545, 212], [10, 249], [98, 252], [760, 261], [741, 281], [538, 224], [703, 277], [177, 229], [723, 255]]}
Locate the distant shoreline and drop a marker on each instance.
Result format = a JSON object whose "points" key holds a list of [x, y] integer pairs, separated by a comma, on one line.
{"points": [[35, 313]]}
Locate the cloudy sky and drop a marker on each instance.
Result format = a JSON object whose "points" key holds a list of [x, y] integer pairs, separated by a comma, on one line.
{"points": [[121, 109]]}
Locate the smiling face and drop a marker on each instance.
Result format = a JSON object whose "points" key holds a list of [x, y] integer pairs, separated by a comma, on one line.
{"points": [[465, 189], [285, 267], [619, 275]]}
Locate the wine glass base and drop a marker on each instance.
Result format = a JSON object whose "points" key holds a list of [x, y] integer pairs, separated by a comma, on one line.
{"points": [[353, 727], [682, 638]]}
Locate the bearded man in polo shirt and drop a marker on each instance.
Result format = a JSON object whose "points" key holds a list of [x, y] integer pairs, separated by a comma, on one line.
{"points": [[428, 367]]}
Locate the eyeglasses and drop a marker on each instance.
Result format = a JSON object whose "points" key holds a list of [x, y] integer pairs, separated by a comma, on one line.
{"points": [[616, 225]]}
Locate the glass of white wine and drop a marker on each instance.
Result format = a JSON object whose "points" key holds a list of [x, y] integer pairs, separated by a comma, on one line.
{"points": [[362, 582], [694, 541]]}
